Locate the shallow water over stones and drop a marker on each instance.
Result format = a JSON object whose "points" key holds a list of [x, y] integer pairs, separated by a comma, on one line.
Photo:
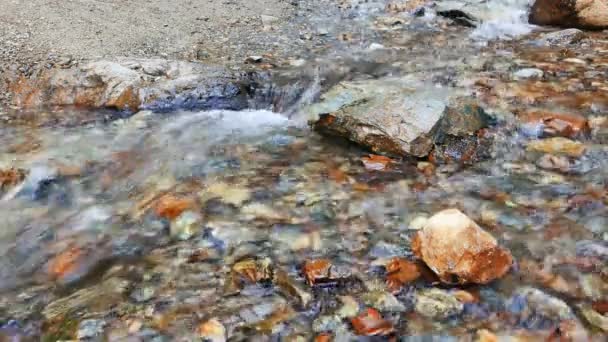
{"points": [[247, 225], [262, 189]]}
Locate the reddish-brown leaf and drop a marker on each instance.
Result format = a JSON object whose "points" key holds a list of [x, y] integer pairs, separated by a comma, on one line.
{"points": [[371, 323]]}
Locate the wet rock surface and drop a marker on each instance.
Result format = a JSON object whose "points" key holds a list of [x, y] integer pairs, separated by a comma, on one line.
{"points": [[388, 116], [385, 116], [570, 13], [132, 85], [459, 251]]}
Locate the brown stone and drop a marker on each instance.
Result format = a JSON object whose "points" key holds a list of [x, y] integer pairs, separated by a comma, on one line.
{"points": [[323, 337], [371, 323], [400, 272], [459, 251], [601, 306], [557, 124], [212, 330], [375, 162], [384, 115], [591, 14], [558, 145], [9, 178], [65, 262], [315, 270], [170, 206], [129, 84]]}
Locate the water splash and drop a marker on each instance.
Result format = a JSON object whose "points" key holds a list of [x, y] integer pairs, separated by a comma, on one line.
{"points": [[503, 19]]}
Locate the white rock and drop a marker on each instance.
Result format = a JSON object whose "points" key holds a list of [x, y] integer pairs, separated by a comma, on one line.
{"points": [[528, 73]]}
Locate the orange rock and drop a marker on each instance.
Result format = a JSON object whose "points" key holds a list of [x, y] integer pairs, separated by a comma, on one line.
{"points": [[561, 124], [375, 162], [601, 306], [65, 262], [337, 175], [465, 296], [591, 14], [212, 330], [371, 323], [459, 251], [26, 92], [484, 335], [315, 270], [128, 99], [11, 177], [323, 337], [400, 272], [170, 206]]}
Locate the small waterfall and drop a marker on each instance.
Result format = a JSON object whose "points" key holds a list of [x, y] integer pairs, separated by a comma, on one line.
{"points": [[502, 19]]}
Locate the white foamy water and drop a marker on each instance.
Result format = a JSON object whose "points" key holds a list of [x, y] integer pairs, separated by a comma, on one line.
{"points": [[503, 19]]}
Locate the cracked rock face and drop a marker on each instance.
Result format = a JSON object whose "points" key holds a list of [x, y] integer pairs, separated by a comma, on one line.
{"points": [[386, 116], [391, 116], [133, 85], [459, 251], [591, 14]]}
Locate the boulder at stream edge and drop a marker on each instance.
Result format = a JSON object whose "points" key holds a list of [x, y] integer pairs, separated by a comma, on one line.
{"points": [[590, 14], [390, 116]]}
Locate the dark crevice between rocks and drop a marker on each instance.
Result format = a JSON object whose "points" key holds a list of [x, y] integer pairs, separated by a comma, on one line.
{"points": [[459, 18]]}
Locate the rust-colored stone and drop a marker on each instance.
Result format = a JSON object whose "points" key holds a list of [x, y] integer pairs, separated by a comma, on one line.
{"points": [[26, 93], [561, 124], [601, 306], [400, 272], [484, 335], [324, 337], [11, 177], [459, 251], [212, 329], [315, 270], [65, 262], [170, 206], [371, 323], [465, 296], [128, 99], [375, 162], [591, 14]]}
